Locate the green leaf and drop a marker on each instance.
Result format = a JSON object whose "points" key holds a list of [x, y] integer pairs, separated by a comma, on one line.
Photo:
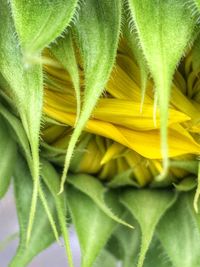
{"points": [[115, 248], [105, 259], [26, 88], [51, 179], [181, 225], [8, 150], [123, 179], [38, 22], [93, 226], [63, 50], [129, 241], [25, 85], [186, 184], [19, 133], [194, 214], [98, 35], [147, 206], [4, 87], [31, 21], [96, 191], [156, 256], [42, 235], [164, 33], [53, 154]]}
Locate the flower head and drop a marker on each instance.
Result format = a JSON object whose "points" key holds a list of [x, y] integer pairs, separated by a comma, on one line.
{"points": [[119, 137]]}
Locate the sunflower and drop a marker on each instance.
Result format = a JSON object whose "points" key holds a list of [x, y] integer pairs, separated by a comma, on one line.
{"points": [[99, 127]]}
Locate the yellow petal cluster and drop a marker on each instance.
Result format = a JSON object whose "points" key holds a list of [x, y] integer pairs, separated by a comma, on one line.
{"points": [[124, 135]]}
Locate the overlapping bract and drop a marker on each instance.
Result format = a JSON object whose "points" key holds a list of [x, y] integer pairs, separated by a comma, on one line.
{"points": [[112, 111]]}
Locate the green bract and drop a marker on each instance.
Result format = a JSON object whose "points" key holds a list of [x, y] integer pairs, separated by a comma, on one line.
{"points": [[163, 34], [97, 37]]}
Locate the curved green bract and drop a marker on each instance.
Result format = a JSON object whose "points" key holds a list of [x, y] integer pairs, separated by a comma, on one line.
{"points": [[92, 236], [39, 22], [164, 33], [26, 89], [42, 235], [19, 132], [156, 256], [126, 242], [97, 37], [96, 191], [63, 50], [51, 180], [147, 206], [31, 19], [181, 225], [8, 148]]}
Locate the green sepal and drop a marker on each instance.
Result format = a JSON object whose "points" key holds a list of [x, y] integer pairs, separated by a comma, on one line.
{"points": [[8, 150], [97, 38], [128, 242], [187, 184], [4, 88], [26, 89], [147, 206], [42, 235], [53, 154], [25, 85], [105, 259], [123, 179], [79, 152], [188, 165], [97, 192], [38, 23], [164, 33], [92, 225], [114, 247], [63, 50], [51, 179], [156, 256], [181, 225], [18, 132]]}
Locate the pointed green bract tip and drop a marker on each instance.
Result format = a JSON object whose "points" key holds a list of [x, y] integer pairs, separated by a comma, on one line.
{"points": [[63, 50], [97, 34], [172, 27]]}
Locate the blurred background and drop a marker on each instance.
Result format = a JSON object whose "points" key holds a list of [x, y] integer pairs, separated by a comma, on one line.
{"points": [[54, 256]]}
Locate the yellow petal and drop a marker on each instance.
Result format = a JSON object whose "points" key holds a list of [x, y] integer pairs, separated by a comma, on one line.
{"points": [[127, 113], [121, 112], [112, 151], [146, 143]]}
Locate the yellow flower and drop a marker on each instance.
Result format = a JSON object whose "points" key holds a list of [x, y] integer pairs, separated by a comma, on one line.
{"points": [[124, 137]]}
